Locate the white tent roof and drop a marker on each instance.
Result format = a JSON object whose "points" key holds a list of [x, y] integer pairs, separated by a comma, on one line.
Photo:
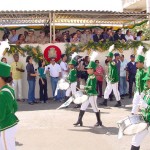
{"points": [[111, 5]]}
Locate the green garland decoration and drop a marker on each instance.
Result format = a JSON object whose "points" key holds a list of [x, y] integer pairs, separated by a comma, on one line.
{"points": [[104, 46], [35, 52]]}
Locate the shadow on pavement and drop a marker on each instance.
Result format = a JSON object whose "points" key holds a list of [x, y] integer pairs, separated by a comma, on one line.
{"points": [[18, 143], [97, 130]]}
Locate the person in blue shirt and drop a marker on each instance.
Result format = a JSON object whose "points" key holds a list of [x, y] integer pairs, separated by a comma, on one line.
{"points": [[131, 72], [42, 82]]}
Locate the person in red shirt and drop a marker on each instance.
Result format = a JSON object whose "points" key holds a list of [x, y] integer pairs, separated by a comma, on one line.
{"points": [[99, 73]]}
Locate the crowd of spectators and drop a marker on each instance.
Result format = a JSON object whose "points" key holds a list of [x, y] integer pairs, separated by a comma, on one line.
{"points": [[83, 36]]}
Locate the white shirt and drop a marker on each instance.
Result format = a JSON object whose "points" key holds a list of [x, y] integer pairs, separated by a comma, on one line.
{"points": [[53, 69], [123, 65], [129, 37], [64, 68]]}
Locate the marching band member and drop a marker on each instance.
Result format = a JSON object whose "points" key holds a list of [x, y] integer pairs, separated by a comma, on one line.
{"points": [[140, 74], [8, 107], [113, 79], [145, 109], [72, 77], [90, 89]]}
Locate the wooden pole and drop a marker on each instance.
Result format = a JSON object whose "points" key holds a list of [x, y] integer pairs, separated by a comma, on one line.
{"points": [[54, 27], [50, 27]]}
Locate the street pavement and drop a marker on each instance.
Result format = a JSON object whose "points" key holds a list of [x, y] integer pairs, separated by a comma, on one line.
{"points": [[42, 127]]}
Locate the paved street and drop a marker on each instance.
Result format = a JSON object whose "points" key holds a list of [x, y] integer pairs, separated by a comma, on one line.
{"points": [[42, 127]]}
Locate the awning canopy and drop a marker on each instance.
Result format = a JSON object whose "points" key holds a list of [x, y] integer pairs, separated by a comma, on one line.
{"points": [[67, 17]]}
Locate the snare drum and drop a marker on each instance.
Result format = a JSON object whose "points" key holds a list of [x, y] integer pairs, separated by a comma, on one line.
{"points": [[132, 124], [63, 84], [80, 97]]}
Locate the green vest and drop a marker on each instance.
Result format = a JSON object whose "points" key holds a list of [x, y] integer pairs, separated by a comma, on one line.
{"points": [[90, 87], [140, 83], [146, 112], [8, 107], [112, 72], [72, 76]]}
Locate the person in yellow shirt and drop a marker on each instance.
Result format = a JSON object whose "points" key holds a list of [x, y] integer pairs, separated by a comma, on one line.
{"points": [[17, 70]]}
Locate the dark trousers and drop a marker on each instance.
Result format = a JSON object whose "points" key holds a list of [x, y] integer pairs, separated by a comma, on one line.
{"points": [[131, 81], [43, 90], [99, 88]]}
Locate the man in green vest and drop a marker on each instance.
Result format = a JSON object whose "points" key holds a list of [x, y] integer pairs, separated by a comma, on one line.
{"points": [[112, 81], [90, 89], [8, 107], [140, 74], [72, 78]]}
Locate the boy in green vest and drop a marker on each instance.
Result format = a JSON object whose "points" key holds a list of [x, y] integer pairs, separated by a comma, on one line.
{"points": [[112, 80], [8, 107], [90, 89], [72, 78], [140, 74]]}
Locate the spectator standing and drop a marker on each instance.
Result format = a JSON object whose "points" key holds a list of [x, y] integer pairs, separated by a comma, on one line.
{"points": [[119, 36], [74, 38], [31, 75], [99, 73], [139, 35], [123, 83], [21, 39], [84, 64], [55, 73], [128, 36], [64, 73], [42, 38], [42, 82], [98, 36], [14, 38], [86, 37], [17, 69], [31, 38], [64, 38], [131, 72]]}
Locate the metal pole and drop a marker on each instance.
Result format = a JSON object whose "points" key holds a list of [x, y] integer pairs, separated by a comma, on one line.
{"points": [[50, 27], [148, 10], [54, 27]]}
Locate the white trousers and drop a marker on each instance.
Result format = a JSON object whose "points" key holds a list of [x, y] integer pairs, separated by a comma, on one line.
{"points": [[138, 138], [109, 89], [72, 89], [18, 88], [135, 102], [93, 101], [7, 139]]}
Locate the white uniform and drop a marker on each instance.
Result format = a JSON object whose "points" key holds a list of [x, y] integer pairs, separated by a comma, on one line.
{"points": [[7, 139], [72, 89], [93, 101], [109, 89], [138, 138]]}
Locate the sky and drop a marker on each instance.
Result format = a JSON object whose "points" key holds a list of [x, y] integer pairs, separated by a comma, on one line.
{"points": [[111, 5]]}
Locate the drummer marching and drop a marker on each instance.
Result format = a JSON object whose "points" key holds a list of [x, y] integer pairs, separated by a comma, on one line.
{"points": [[140, 74], [112, 80], [145, 109], [72, 77], [90, 89], [8, 108]]}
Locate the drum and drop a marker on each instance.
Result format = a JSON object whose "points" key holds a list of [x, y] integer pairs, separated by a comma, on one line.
{"points": [[63, 84], [132, 124], [80, 97]]}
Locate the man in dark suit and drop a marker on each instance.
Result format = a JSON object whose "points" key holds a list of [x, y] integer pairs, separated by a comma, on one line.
{"points": [[119, 36], [131, 72], [98, 37]]}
